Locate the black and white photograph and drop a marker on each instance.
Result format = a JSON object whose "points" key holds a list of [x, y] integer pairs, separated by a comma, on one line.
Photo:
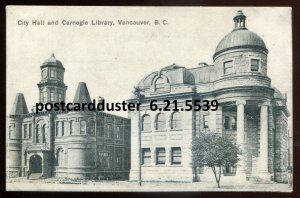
{"points": [[149, 99]]}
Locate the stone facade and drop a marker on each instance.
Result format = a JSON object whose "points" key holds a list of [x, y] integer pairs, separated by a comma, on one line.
{"points": [[250, 110], [82, 144]]}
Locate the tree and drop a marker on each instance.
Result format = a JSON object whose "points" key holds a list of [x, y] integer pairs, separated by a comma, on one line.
{"points": [[215, 151]]}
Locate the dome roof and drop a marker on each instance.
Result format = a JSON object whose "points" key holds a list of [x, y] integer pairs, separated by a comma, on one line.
{"points": [[240, 37], [52, 61]]}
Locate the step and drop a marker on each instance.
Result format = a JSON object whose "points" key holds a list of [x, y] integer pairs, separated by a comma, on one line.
{"points": [[35, 175]]}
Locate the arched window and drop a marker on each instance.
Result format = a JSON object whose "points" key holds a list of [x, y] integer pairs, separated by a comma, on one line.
{"points": [[146, 123], [38, 133], [176, 121], [60, 157], [159, 83], [160, 122], [82, 127], [43, 139]]}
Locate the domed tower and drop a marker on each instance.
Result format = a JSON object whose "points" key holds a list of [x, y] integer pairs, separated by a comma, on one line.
{"points": [[15, 135], [244, 93], [82, 139], [241, 51], [52, 87]]}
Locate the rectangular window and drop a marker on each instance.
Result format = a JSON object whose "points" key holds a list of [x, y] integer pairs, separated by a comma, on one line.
{"points": [[82, 127], [226, 123], [228, 67], [176, 155], [160, 156], [25, 130], [146, 156], [51, 95], [205, 121], [71, 127], [62, 128], [254, 64], [30, 130], [52, 73]]}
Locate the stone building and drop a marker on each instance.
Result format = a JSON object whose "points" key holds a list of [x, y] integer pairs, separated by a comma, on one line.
{"points": [[74, 144], [250, 109]]}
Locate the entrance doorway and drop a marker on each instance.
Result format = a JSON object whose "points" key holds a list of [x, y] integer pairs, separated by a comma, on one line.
{"points": [[35, 164]]}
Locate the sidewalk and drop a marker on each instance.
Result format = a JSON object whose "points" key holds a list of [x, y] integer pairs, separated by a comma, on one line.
{"points": [[22, 184]]}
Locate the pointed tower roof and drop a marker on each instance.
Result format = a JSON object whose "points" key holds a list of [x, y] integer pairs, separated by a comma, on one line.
{"points": [[52, 61], [20, 106], [82, 94]]}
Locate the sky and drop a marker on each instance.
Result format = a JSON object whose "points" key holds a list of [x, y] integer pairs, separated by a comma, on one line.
{"points": [[113, 59]]}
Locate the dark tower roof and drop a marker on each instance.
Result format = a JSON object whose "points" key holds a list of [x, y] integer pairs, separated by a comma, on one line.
{"points": [[19, 107], [52, 61], [82, 94]]}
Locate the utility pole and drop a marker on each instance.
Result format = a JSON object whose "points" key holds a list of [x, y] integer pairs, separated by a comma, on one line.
{"points": [[138, 96]]}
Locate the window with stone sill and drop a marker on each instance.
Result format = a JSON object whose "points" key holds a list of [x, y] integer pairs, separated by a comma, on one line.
{"points": [[254, 65], [176, 155], [228, 67], [176, 123], [160, 122], [160, 156], [146, 123], [146, 156]]}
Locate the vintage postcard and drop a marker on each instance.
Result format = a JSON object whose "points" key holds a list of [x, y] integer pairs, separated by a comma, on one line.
{"points": [[149, 99]]}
